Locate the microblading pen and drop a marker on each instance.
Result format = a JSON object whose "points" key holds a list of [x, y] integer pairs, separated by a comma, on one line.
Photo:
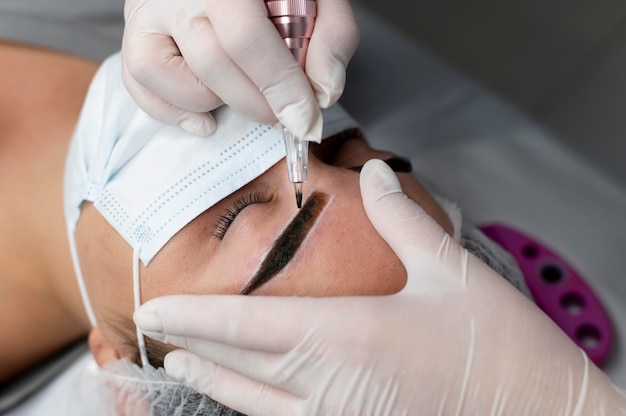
{"points": [[294, 20]]}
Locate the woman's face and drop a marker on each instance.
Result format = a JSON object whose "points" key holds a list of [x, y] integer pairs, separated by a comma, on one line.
{"points": [[328, 248]]}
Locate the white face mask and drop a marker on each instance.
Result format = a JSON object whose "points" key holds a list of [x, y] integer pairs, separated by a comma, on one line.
{"points": [[149, 180]]}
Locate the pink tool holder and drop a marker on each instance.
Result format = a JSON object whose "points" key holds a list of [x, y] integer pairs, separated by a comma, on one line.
{"points": [[559, 290]]}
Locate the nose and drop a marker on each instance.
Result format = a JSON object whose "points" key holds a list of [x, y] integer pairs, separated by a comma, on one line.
{"points": [[321, 177]]}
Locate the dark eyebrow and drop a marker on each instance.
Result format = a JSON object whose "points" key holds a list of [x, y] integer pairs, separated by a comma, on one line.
{"points": [[396, 163], [288, 242]]}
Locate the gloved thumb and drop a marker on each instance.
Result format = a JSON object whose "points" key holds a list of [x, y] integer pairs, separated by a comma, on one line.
{"points": [[433, 260]]}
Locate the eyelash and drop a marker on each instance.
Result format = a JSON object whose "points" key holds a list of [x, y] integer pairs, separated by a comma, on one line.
{"points": [[224, 221]]}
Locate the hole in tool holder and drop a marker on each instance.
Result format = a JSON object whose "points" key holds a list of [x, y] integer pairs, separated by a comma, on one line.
{"points": [[573, 303], [552, 274], [530, 251], [559, 290], [588, 336]]}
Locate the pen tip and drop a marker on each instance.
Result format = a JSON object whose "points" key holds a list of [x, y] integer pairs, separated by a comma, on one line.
{"points": [[298, 187], [299, 200]]}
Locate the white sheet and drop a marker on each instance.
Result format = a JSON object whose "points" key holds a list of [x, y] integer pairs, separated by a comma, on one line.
{"points": [[479, 151], [59, 398]]}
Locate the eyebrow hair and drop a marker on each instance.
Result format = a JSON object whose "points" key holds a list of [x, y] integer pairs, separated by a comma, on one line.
{"points": [[288, 242], [398, 164]]}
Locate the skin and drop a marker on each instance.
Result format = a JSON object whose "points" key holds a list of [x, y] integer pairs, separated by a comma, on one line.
{"points": [[40, 307]]}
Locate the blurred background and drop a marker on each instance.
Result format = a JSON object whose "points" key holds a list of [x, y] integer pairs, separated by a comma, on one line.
{"points": [[562, 62]]}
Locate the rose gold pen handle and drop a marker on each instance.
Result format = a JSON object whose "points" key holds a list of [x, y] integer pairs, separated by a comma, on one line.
{"points": [[294, 20]]}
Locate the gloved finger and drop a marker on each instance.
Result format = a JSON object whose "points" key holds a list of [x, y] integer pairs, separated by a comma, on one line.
{"points": [[334, 41], [267, 62], [156, 63], [249, 319], [206, 59], [400, 221], [200, 124], [263, 367], [229, 387], [421, 244]]}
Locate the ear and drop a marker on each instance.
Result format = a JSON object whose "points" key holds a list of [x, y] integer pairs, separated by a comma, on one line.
{"points": [[101, 348]]}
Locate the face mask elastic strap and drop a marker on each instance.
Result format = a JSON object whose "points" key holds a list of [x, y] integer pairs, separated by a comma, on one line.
{"points": [[80, 279], [141, 341]]}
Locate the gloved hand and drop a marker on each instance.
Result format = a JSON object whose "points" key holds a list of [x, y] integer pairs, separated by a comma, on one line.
{"points": [[182, 59], [458, 339]]}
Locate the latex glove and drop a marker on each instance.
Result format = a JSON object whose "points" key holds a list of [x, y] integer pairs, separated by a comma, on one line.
{"points": [[459, 339], [182, 59]]}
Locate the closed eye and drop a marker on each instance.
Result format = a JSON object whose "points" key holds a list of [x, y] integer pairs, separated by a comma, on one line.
{"points": [[245, 200]]}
